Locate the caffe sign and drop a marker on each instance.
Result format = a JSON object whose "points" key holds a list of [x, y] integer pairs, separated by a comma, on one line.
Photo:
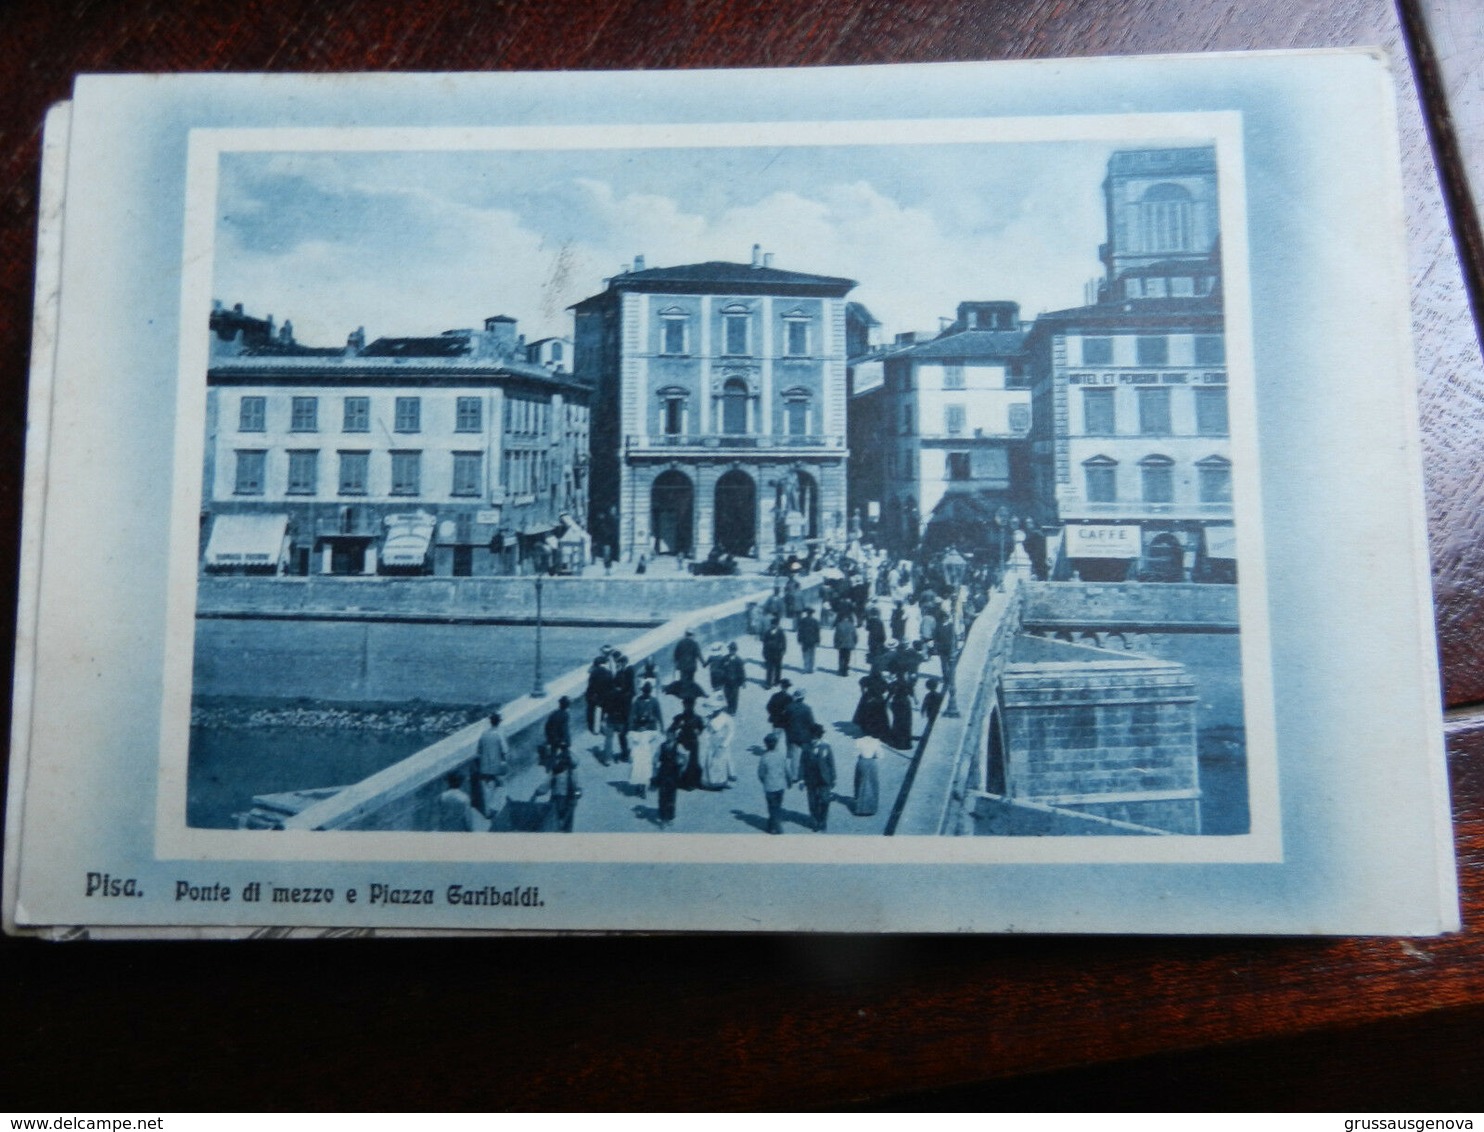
{"points": [[1108, 540]]}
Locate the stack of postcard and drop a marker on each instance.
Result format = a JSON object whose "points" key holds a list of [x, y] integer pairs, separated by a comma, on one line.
{"points": [[978, 497]]}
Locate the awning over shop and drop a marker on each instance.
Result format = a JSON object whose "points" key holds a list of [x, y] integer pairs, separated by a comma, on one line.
{"points": [[247, 540], [1104, 540], [1221, 541], [407, 540]]}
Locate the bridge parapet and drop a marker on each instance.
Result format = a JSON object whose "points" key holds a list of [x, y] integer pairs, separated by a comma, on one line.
{"points": [[404, 796], [935, 793], [1145, 606]]}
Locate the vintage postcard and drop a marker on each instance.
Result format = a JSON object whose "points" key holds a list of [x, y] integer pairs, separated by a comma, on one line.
{"points": [[946, 498]]}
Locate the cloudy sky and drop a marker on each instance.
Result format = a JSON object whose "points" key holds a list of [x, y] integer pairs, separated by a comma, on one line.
{"points": [[416, 243]]}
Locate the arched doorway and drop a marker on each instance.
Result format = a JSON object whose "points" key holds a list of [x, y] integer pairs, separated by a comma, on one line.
{"points": [[671, 507], [1164, 561], [736, 514], [795, 507], [994, 755]]}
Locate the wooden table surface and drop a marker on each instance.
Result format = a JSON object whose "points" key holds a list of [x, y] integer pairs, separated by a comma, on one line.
{"points": [[779, 1022]]}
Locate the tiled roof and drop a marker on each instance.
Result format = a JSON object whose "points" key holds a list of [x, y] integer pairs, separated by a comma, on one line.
{"points": [[1134, 313], [967, 344], [718, 271]]}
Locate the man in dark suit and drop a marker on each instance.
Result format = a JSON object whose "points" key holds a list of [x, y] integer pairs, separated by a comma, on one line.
{"points": [[775, 644], [599, 677], [558, 730], [798, 730], [687, 656], [808, 637]]}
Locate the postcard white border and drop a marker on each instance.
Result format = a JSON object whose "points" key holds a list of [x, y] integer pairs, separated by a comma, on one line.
{"points": [[176, 841]]}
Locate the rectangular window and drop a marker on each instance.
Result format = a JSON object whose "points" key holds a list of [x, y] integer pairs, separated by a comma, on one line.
{"points": [[1159, 483], [252, 415], [1097, 351], [467, 469], [673, 336], [798, 337], [469, 415], [953, 376], [251, 463], [1020, 418], [357, 417], [406, 473], [953, 419], [736, 334], [1216, 483], [303, 473], [1102, 483], [305, 416], [409, 414], [1154, 412], [796, 415], [1210, 412], [1210, 350], [958, 466], [354, 467], [1153, 350], [1098, 413], [673, 416]]}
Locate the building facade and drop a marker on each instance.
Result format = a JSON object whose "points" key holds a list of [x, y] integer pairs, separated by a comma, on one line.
{"points": [[447, 455], [1131, 445], [719, 408], [940, 430]]}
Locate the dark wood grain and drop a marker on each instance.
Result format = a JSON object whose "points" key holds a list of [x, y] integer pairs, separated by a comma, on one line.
{"points": [[780, 1022]]}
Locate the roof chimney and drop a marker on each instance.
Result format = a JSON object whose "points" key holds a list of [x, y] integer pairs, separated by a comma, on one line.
{"points": [[757, 255], [767, 259], [638, 263]]}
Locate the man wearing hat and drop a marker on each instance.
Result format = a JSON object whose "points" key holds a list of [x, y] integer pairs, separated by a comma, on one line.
{"points": [[775, 644], [798, 730], [733, 676], [808, 630], [599, 677], [687, 655], [777, 705]]}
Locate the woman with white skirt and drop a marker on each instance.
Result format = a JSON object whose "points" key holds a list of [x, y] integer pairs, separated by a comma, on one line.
{"points": [[716, 750]]}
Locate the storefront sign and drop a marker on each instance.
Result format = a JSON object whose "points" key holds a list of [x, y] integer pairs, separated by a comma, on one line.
{"points": [[1103, 541]]}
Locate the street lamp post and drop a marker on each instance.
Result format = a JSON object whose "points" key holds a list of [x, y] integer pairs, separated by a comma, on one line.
{"points": [[954, 566], [538, 688]]}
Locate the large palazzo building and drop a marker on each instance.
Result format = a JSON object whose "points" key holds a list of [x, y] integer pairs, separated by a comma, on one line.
{"points": [[718, 408], [450, 455]]}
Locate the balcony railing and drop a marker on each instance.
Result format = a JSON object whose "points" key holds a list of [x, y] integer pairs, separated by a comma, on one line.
{"points": [[729, 441], [359, 527]]}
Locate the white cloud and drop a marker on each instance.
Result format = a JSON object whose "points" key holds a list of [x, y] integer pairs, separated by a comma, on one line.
{"points": [[401, 250]]}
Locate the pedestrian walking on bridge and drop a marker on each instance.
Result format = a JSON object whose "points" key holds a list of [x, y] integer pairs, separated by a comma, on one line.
{"points": [[817, 768], [772, 772]]}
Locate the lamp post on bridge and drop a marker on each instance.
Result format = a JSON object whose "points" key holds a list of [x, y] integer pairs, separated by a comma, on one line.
{"points": [[954, 565], [538, 687]]}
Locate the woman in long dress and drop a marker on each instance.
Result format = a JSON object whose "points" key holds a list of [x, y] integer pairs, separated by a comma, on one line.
{"points": [[667, 779], [867, 777], [870, 713], [716, 750], [901, 714]]}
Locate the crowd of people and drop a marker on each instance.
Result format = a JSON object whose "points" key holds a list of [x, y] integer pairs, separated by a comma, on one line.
{"points": [[890, 614]]}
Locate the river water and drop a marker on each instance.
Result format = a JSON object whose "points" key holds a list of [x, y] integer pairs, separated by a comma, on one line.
{"points": [[296, 705]]}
